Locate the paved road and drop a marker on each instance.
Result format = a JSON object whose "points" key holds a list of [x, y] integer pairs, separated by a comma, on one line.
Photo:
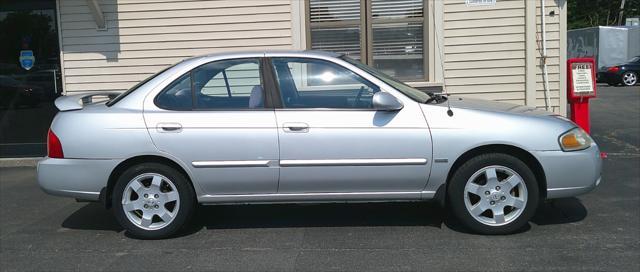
{"points": [[598, 231]]}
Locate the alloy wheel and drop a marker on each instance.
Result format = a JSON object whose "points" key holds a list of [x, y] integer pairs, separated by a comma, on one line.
{"points": [[150, 201], [495, 195], [630, 79]]}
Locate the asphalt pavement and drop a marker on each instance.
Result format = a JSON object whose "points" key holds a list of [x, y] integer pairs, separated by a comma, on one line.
{"points": [[599, 231]]}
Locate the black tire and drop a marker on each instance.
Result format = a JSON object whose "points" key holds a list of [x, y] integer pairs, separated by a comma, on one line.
{"points": [[456, 192], [185, 209], [629, 73]]}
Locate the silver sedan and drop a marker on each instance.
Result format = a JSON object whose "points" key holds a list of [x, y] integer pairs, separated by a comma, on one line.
{"points": [[304, 126]]}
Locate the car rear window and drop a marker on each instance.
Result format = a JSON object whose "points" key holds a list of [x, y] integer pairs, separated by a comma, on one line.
{"points": [[135, 87]]}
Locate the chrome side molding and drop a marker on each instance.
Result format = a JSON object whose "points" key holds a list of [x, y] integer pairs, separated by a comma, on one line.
{"points": [[353, 162], [293, 163], [213, 164]]}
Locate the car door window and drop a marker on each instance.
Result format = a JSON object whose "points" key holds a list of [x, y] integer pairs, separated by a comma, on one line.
{"points": [[312, 83], [176, 96], [227, 84]]}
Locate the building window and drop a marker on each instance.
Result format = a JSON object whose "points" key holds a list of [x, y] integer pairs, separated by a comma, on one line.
{"points": [[389, 35]]}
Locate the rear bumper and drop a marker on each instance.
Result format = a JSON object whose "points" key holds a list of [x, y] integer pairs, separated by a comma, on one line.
{"points": [[78, 178], [606, 77], [571, 173]]}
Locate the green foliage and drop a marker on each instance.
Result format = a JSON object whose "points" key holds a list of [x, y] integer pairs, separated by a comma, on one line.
{"points": [[588, 13]]}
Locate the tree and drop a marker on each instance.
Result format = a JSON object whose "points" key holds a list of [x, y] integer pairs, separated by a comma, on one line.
{"points": [[588, 13]]}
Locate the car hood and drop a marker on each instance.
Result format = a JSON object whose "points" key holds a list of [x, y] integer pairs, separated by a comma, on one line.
{"points": [[494, 106]]}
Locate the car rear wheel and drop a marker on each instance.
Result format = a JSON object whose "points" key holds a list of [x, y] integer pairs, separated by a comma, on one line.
{"points": [[493, 194], [152, 200], [629, 79]]}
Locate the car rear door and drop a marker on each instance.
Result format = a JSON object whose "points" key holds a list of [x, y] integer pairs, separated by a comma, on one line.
{"points": [[333, 141], [215, 119]]}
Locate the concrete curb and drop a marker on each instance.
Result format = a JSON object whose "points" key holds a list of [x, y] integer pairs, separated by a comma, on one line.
{"points": [[19, 162]]}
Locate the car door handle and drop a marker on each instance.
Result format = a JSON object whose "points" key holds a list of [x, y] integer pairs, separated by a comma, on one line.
{"points": [[169, 127], [296, 127]]}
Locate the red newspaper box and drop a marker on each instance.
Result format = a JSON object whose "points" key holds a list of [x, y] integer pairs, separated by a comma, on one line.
{"points": [[581, 86]]}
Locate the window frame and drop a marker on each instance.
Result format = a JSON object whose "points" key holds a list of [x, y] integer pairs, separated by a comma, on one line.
{"points": [[277, 95], [366, 33], [267, 97]]}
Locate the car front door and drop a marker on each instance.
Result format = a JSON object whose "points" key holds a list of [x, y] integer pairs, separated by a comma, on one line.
{"points": [[214, 120], [332, 140]]}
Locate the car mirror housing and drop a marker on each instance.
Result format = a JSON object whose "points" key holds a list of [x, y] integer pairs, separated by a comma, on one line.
{"points": [[386, 102]]}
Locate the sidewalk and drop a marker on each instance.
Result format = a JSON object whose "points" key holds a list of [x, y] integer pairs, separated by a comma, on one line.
{"points": [[19, 162]]}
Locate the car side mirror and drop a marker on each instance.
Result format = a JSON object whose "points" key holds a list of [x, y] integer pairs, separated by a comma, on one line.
{"points": [[386, 102]]}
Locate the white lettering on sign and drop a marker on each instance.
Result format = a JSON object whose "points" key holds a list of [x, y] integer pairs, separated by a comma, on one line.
{"points": [[582, 78], [480, 3]]}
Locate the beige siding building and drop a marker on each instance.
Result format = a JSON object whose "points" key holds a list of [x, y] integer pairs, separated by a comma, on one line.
{"points": [[476, 48]]}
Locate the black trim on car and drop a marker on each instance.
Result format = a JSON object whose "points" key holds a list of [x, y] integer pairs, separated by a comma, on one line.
{"points": [[193, 90], [265, 79], [272, 88]]}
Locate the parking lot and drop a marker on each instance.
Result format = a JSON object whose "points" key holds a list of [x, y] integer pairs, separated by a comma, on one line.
{"points": [[597, 231]]}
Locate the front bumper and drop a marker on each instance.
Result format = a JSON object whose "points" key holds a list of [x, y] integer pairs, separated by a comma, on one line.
{"points": [[571, 173], [78, 178]]}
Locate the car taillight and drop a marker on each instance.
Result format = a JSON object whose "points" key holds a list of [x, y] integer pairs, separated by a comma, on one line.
{"points": [[613, 69], [54, 147]]}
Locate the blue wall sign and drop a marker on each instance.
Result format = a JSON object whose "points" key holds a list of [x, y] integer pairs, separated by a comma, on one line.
{"points": [[27, 59]]}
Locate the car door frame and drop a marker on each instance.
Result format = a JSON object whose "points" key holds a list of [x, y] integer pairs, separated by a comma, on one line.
{"points": [[195, 167], [274, 91]]}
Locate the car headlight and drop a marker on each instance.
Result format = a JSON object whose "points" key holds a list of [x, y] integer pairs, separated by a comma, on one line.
{"points": [[575, 139]]}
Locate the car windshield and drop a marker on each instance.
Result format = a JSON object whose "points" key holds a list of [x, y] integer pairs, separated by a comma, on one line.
{"points": [[413, 93]]}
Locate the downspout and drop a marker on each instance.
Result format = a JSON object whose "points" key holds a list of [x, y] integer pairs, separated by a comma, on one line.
{"points": [[545, 75]]}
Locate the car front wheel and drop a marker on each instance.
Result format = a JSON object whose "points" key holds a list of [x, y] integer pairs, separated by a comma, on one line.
{"points": [[493, 194], [152, 200]]}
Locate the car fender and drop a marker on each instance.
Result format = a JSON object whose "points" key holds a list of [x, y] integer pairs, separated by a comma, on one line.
{"points": [[468, 129]]}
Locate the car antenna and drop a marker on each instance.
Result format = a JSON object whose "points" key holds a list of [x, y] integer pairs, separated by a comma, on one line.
{"points": [[444, 83]]}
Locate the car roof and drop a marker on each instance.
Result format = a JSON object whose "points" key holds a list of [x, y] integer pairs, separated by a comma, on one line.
{"points": [[263, 53], [259, 54], [190, 63]]}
